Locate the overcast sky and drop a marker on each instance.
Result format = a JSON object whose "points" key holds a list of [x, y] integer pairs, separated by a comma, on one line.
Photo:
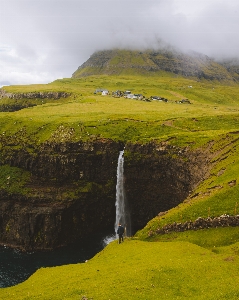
{"points": [[42, 40]]}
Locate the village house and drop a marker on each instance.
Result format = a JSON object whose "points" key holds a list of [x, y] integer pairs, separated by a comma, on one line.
{"points": [[105, 93]]}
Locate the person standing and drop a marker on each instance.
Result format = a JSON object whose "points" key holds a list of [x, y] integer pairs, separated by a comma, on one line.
{"points": [[120, 232]]}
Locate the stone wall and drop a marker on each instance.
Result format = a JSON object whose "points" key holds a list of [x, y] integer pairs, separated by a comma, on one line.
{"points": [[199, 223]]}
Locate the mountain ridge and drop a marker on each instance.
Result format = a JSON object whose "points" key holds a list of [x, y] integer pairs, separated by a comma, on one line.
{"points": [[150, 62]]}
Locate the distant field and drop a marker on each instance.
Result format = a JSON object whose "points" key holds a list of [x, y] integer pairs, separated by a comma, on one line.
{"points": [[214, 110]]}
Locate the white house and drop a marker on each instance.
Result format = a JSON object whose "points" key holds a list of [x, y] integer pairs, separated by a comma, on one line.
{"points": [[105, 93]]}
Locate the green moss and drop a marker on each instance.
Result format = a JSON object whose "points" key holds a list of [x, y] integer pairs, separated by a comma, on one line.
{"points": [[39, 237], [8, 227], [13, 180]]}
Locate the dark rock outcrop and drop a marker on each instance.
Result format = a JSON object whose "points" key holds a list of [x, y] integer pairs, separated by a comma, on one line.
{"points": [[71, 194], [34, 95], [159, 177], [18, 101]]}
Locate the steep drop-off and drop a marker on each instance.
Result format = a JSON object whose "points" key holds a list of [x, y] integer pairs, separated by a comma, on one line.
{"points": [[17, 101], [71, 189], [159, 177], [69, 195]]}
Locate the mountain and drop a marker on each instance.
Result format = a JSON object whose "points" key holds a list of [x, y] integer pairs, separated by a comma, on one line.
{"points": [[149, 62], [232, 66]]}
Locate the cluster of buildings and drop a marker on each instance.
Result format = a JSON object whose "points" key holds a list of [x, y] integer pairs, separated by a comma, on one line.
{"points": [[128, 95]]}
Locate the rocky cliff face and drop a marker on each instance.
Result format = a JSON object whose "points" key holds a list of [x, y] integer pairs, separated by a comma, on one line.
{"points": [[18, 101], [34, 95], [71, 193], [71, 190], [159, 177]]}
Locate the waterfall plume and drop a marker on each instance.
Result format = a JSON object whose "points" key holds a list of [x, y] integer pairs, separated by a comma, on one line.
{"points": [[122, 211]]}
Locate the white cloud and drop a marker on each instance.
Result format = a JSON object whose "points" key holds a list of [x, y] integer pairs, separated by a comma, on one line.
{"points": [[42, 40]]}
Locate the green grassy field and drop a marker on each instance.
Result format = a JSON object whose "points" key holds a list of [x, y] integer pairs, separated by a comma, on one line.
{"points": [[190, 265], [214, 110], [140, 270]]}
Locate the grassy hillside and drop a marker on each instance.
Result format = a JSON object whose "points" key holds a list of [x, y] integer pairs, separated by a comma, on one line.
{"points": [[190, 265]]}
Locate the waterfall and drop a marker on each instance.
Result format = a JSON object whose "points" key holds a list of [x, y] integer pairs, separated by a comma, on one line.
{"points": [[122, 211], [120, 195]]}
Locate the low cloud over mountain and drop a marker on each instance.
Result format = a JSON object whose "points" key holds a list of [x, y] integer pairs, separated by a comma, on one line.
{"points": [[44, 40]]}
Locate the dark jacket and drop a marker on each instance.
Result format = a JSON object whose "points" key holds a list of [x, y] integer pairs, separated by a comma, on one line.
{"points": [[120, 230]]}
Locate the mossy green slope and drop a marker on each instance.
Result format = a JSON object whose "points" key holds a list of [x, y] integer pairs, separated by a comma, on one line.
{"points": [[139, 270]]}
